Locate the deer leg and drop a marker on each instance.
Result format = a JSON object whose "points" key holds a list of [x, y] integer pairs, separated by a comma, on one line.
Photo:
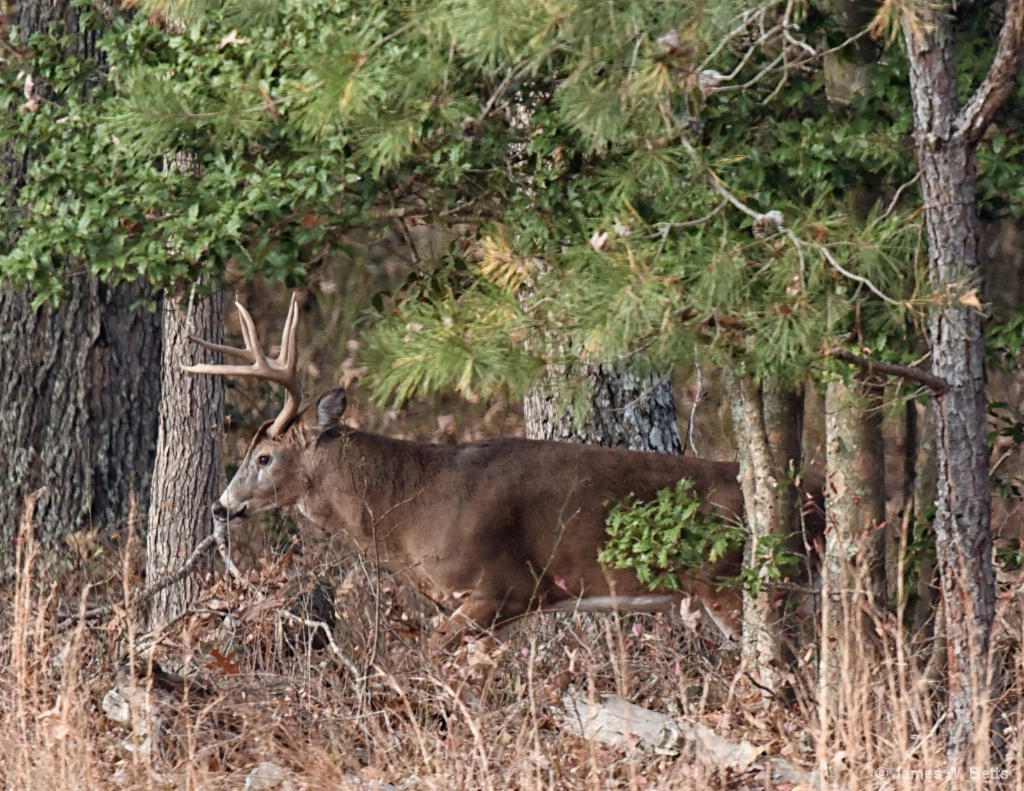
{"points": [[724, 608], [478, 615]]}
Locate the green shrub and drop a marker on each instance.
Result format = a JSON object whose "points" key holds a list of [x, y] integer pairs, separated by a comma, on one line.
{"points": [[667, 537]]}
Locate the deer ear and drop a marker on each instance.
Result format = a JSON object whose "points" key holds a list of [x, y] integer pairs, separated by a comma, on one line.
{"points": [[330, 408]]}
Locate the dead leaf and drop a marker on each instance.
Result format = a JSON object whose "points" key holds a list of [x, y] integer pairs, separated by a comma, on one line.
{"points": [[484, 652], [614, 720], [231, 38], [599, 240], [837, 484], [480, 659], [222, 663], [689, 616], [970, 299], [347, 586], [83, 542]]}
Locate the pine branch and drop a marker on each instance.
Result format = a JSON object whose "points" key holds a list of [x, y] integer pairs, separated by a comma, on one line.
{"points": [[773, 218], [937, 384]]}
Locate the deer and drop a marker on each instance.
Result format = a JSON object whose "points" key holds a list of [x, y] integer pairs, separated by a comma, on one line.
{"points": [[490, 531]]}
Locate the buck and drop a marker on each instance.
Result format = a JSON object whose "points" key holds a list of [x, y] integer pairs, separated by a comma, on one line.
{"points": [[491, 530]]}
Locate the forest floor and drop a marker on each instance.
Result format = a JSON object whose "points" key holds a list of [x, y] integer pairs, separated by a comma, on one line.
{"points": [[246, 692]]}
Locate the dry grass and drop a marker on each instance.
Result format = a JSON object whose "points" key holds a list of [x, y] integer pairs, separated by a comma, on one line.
{"points": [[241, 682]]}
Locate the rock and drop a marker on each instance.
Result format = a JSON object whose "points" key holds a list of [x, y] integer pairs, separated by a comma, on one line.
{"points": [[268, 776], [116, 707]]}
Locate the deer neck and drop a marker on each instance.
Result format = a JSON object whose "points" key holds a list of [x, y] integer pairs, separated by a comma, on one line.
{"points": [[357, 481]]}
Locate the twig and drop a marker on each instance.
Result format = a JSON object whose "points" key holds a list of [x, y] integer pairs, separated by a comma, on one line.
{"points": [[756, 78], [690, 430], [220, 535], [636, 53], [1010, 451], [778, 87], [749, 53], [746, 18], [670, 226], [398, 32], [320, 625], [896, 197], [831, 260], [818, 54], [937, 384], [137, 601], [713, 177], [722, 190], [514, 74], [144, 643]]}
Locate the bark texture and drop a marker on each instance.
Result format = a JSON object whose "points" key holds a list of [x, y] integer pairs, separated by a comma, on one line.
{"points": [[853, 567], [79, 388], [187, 473], [766, 420], [78, 385], [922, 486], [783, 421], [945, 137], [626, 410]]}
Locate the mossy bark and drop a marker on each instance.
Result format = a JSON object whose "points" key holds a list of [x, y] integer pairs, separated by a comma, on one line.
{"points": [[79, 388], [853, 566], [946, 135]]}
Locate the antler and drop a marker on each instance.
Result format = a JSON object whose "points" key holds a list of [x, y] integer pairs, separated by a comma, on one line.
{"points": [[280, 370]]}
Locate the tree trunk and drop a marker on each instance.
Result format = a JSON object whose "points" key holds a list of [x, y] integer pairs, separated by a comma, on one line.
{"points": [[853, 571], [79, 389], [766, 421], [79, 384], [625, 410], [853, 568], [783, 420], [946, 159], [187, 474], [922, 496]]}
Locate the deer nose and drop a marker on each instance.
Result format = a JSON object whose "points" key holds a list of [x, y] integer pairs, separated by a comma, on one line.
{"points": [[220, 513]]}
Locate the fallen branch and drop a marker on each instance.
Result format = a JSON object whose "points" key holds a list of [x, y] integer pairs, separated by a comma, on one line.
{"points": [[614, 720]]}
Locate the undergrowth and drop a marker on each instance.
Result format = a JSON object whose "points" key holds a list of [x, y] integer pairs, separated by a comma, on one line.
{"points": [[250, 678]]}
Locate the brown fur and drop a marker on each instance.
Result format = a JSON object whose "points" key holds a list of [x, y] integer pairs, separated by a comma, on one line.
{"points": [[495, 529]]}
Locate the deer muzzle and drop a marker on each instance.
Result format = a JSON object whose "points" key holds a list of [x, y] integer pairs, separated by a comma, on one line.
{"points": [[221, 513]]}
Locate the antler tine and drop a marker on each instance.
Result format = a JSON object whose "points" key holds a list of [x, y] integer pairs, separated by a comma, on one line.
{"points": [[285, 363], [228, 351], [251, 338], [288, 355], [280, 370]]}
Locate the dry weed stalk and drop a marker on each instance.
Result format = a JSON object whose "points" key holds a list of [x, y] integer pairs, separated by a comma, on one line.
{"points": [[248, 688]]}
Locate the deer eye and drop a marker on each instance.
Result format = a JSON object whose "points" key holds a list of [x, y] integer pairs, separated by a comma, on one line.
{"points": [[263, 461]]}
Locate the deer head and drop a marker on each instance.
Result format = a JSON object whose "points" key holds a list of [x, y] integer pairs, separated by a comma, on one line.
{"points": [[269, 475]]}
